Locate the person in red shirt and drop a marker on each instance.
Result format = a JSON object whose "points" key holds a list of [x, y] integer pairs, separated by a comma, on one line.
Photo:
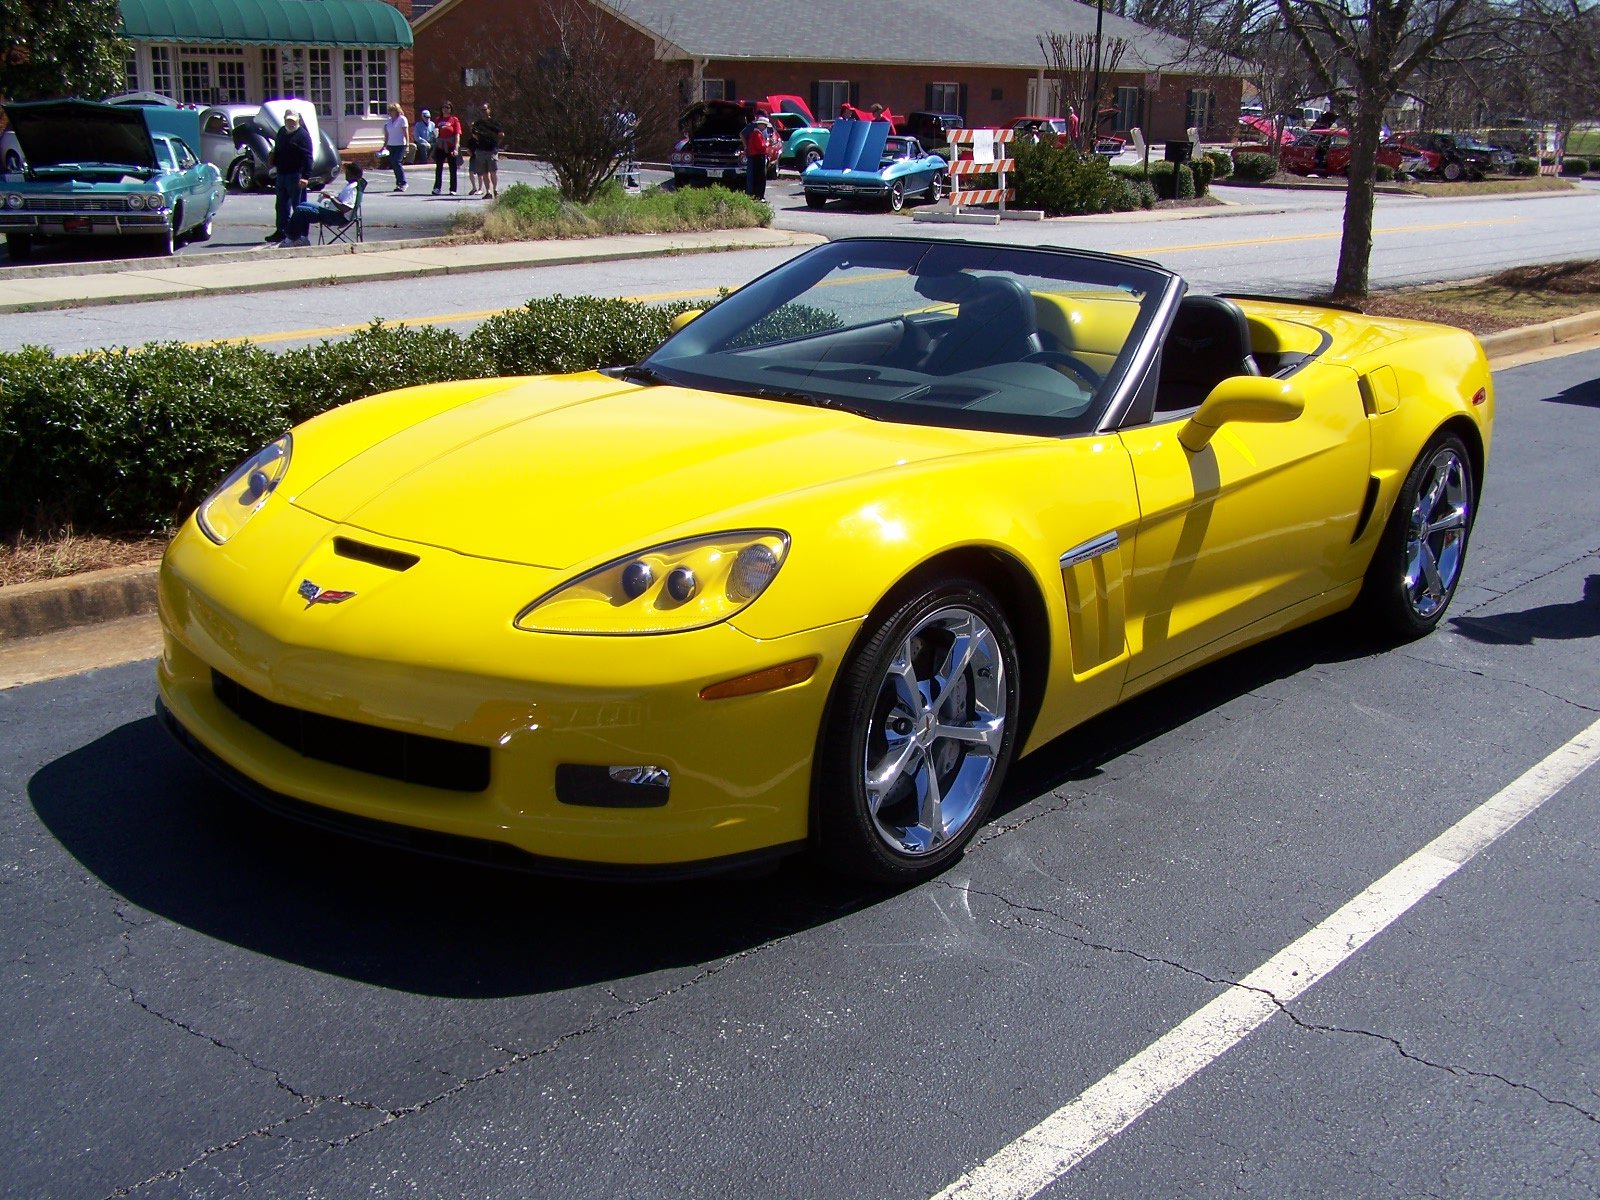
{"points": [[753, 137], [447, 148], [1073, 124]]}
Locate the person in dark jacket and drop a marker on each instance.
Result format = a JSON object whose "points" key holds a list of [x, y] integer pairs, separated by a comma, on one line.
{"points": [[292, 155]]}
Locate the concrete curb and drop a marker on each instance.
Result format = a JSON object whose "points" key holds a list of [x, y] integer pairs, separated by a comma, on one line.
{"points": [[53, 605]]}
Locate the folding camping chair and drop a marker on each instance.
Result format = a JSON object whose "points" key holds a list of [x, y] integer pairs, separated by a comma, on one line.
{"points": [[340, 232]]}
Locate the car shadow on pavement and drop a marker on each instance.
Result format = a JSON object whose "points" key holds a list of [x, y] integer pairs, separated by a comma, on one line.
{"points": [[160, 831], [1548, 622], [1585, 394]]}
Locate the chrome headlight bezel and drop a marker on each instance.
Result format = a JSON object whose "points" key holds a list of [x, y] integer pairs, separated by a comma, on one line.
{"points": [[672, 587], [247, 487]]}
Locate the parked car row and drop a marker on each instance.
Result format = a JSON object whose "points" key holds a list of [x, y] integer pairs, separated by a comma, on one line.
{"points": [[1451, 156]]}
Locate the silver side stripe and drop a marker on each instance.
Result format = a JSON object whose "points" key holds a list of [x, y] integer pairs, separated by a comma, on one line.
{"points": [[1091, 549]]}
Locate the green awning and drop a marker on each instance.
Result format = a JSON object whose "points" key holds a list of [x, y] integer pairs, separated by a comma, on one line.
{"points": [[266, 22]]}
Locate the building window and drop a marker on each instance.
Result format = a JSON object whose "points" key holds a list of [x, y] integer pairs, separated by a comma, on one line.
{"points": [[1127, 104], [160, 70], [944, 97], [1198, 106], [366, 83], [270, 88], [319, 80], [831, 93], [716, 89], [130, 73], [211, 75]]}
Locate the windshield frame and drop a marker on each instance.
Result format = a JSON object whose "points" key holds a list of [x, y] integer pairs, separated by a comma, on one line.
{"points": [[702, 353]]}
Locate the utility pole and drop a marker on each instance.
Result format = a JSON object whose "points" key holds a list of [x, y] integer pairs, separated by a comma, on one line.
{"points": [[1093, 115]]}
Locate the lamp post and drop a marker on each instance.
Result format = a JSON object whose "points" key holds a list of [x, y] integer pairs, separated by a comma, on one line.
{"points": [[1093, 114]]}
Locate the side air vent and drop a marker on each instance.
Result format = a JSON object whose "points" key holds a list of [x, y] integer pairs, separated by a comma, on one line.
{"points": [[378, 556]]}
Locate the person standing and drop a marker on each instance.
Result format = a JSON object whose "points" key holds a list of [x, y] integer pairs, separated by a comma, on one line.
{"points": [[1073, 124], [397, 140], [486, 136], [753, 138], [447, 148], [291, 159]]}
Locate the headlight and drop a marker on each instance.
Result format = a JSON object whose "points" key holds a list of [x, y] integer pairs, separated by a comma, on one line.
{"points": [[13, 201], [155, 203], [136, 202], [666, 589], [223, 513]]}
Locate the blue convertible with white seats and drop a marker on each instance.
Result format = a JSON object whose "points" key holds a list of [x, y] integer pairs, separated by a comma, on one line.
{"points": [[864, 162]]}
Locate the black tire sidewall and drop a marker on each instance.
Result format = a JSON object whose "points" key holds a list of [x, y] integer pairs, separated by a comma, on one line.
{"points": [[842, 830], [1383, 603]]}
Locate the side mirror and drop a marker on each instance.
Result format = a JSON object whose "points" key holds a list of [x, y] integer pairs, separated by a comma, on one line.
{"points": [[683, 318], [1242, 398]]}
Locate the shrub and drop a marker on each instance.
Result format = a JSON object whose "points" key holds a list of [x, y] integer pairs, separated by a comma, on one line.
{"points": [[1172, 181], [1061, 180], [1138, 192], [1574, 166], [1383, 173], [131, 440], [1202, 168], [1254, 168], [1522, 165], [1221, 163], [529, 213]]}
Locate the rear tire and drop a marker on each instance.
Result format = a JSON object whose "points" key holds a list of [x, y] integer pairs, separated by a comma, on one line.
{"points": [[19, 246], [919, 731], [1418, 561], [815, 201]]}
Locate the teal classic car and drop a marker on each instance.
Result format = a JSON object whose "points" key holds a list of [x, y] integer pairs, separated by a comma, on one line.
{"points": [[803, 146], [107, 170], [863, 162]]}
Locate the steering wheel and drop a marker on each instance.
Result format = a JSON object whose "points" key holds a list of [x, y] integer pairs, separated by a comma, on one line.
{"points": [[1073, 364]]}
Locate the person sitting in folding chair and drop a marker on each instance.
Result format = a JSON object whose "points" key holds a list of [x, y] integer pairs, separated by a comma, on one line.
{"points": [[340, 212]]}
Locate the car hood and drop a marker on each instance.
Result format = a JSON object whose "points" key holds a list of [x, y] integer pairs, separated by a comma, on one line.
{"points": [[556, 472], [713, 118], [61, 132]]}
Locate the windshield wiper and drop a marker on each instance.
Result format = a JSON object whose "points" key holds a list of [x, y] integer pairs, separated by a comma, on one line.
{"points": [[640, 373], [790, 396]]}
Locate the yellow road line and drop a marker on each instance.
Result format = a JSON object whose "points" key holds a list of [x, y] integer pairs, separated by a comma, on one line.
{"points": [[327, 331], [1327, 236]]}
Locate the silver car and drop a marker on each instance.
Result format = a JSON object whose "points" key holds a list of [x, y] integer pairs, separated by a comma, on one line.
{"points": [[217, 145]]}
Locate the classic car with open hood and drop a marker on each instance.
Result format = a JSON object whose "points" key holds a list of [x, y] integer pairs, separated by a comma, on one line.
{"points": [[711, 150], [863, 162], [107, 170]]}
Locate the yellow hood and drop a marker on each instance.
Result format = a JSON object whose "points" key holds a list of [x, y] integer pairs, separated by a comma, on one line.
{"points": [[554, 472]]}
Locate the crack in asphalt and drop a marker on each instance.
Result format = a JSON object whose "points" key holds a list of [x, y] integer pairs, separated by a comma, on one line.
{"points": [[1521, 683], [387, 1116], [1281, 1005]]}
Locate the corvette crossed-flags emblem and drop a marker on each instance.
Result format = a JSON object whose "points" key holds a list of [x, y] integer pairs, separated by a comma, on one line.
{"points": [[312, 594]]}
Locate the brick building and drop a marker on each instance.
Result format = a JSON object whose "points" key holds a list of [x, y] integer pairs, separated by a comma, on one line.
{"points": [[350, 58], [982, 60]]}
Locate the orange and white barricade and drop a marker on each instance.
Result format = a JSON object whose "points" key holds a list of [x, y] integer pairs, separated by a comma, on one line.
{"points": [[976, 152]]}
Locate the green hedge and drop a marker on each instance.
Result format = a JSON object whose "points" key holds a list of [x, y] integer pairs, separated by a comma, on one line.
{"points": [[1254, 168], [1063, 181], [1221, 163], [131, 440], [1574, 166], [1524, 166]]}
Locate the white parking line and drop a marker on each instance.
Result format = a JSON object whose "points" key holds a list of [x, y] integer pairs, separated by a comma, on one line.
{"points": [[1076, 1130]]}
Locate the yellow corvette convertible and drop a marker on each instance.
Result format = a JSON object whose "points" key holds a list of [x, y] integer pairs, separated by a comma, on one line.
{"points": [[814, 572]]}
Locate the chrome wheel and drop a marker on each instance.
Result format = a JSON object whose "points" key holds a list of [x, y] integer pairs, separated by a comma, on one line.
{"points": [[1436, 534], [1419, 557], [935, 732], [897, 196]]}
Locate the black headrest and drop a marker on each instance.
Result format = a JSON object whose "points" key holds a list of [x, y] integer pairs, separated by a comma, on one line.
{"points": [[1210, 338]]}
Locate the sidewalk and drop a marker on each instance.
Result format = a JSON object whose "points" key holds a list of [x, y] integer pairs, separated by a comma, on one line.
{"points": [[36, 289]]}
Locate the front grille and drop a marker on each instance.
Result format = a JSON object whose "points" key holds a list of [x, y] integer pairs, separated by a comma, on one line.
{"points": [[83, 204], [408, 757]]}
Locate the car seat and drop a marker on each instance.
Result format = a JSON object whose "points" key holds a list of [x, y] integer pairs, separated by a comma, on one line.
{"points": [[1209, 341], [995, 323]]}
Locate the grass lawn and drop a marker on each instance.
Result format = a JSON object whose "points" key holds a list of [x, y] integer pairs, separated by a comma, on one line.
{"points": [[524, 213]]}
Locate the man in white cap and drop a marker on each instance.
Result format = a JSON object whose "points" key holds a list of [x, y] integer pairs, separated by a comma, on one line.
{"points": [[292, 156], [753, 138], [424, 133]]}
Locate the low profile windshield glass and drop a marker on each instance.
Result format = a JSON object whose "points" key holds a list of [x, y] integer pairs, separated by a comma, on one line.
{"points": [[954, 334]]}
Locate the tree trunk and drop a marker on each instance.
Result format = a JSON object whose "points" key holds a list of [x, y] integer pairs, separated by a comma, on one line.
{"points": [[1355, 254]]}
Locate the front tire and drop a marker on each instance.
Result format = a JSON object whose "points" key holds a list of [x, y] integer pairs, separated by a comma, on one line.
{"points": [[1452, 172], [202, 232], [897, 196], [1418, 562], [918, 734], [19, 246]]}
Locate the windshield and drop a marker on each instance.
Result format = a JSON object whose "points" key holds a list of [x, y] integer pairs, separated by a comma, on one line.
{"points": [[941, 333]]}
